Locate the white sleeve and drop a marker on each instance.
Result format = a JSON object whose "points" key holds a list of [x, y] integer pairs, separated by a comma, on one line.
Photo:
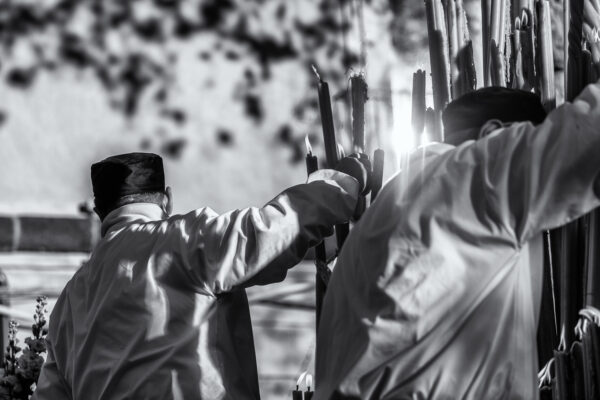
{"points": [[226, 251], [537, 178]]}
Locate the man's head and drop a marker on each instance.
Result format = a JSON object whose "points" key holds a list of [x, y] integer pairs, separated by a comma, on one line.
{"points": [[129, 178], [478, 113]]}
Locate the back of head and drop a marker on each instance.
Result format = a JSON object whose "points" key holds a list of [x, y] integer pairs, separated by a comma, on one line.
{"points": [[127, 178], [464, 117]]}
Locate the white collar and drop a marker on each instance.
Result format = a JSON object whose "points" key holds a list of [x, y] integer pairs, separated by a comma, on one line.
{"points": [[144, 212]]}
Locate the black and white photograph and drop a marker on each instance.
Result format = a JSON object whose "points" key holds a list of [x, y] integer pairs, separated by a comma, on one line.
{"points": [[300, 199]]}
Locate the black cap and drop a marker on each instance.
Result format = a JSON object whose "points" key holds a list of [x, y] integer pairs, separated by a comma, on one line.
{"points": [[474, 109], [127, 174]]}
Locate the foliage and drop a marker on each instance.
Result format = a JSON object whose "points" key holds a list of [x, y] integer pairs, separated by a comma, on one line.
{"points": [[22, 366], [132, 47]]}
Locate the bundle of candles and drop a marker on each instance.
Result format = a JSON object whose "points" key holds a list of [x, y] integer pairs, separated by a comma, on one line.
{"points": [[333, 153], [518, 53], [451, 60], [307, 394]]}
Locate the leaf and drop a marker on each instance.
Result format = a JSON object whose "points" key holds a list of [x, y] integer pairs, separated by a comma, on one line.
{"points": [[21, 78]]}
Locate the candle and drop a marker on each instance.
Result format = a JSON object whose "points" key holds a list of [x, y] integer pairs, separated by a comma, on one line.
{"points": [[545, 56], [308, 394], [378, 157], [327, 121], [438, 54], [453, 46], [312, 165], [331, 149], [418, 102], [358, 88], [486, 6], [297, 394], [497, 65]]}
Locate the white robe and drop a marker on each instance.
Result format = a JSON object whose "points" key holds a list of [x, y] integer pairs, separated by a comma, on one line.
{"points": [[160, 311], [432, 296]]}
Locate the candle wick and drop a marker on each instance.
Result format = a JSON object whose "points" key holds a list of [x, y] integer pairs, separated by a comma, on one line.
{"points": [[297, 387]]}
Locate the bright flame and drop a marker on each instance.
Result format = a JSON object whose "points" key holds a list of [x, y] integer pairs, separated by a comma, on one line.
{"points": [[299, 381], [308, 381], [308, 146], [341, 152]]}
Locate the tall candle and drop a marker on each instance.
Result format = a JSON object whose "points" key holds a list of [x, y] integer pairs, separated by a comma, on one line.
{"points": [[418, 102], [320, 251], [327, 121], [358, 87], [331, 149]]}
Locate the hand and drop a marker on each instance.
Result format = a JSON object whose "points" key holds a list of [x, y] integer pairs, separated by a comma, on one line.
{"points": [[357, 166]]}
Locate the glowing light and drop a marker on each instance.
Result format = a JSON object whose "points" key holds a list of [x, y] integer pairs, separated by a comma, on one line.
{"points": [[402, 133], [308, 381], [308, 146], [299, 381]]}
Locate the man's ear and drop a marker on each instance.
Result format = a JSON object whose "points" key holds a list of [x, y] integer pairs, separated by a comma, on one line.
{"points": [[168, 200], [489, 127]]}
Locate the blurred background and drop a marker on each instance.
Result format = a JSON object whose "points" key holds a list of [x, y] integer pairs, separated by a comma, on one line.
{"points": [[223, 90]]}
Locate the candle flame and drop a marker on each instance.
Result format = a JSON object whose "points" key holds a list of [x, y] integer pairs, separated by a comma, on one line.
{"points": [[299, 381], [308, 381], [524, 19], [315, 71], [517, 23], [341, 152], [308, 146]]}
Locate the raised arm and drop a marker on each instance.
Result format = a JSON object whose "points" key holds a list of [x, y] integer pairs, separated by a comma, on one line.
{"points": [[225, 251], [536, 178]]}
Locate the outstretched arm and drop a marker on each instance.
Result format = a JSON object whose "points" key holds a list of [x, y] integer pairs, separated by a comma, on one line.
{"points": [[536, 178], [225, 251]]}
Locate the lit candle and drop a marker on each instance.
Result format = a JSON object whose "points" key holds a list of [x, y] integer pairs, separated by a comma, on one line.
{"points": [[320, 252], [312, 163], [308, 394], [297, 394], [329, 141]]}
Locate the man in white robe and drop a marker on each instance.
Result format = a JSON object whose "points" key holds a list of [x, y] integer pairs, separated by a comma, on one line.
{"points": [[159, 311], [437, 289]]}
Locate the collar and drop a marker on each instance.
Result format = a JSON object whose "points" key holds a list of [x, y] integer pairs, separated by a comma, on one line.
{"points": [[143, 212]]}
